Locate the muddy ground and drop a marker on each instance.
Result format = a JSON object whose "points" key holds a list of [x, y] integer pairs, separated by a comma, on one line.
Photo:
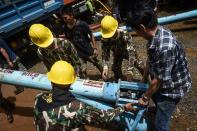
{"points": [[184, 119]]}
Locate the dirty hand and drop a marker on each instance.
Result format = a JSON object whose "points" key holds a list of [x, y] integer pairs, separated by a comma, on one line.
{"points": [[143, 102], [11, 64], [105, 74], [95, 52], [129, 107]]}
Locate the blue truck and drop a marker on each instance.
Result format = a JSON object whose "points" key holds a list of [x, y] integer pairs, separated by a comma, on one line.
{"points": [[16, 16]]}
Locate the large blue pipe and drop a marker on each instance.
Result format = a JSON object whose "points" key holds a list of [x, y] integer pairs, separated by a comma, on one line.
{"points": [[93, 89], [40, 82], [102, 95], [164, 20], [98, 90], [178, 17], [26, 79]]}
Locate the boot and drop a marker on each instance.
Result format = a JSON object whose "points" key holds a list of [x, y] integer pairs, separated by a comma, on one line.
{"points": [[10, 117], [18, 90], [8, 107]]}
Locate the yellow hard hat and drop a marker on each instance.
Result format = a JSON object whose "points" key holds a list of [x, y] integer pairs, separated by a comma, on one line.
{"points": [[40, 35], [62, 73], [108, 26]]}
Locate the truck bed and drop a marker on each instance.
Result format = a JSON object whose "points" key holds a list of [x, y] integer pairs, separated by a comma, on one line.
{"points": [[18, 14]]}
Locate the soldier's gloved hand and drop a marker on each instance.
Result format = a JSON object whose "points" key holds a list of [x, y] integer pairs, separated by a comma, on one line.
{"points": [[105, 74]]}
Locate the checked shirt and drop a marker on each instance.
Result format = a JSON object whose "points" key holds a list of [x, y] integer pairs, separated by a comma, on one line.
{"points": [[167, 62]]}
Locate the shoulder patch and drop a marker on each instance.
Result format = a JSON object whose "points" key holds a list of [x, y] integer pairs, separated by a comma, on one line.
{"points": [[47, 98]]}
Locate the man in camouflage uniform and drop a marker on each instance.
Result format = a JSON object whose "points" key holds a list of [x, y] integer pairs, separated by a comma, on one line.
{"points": [[121, 44], [60, 110], [53, 49]]}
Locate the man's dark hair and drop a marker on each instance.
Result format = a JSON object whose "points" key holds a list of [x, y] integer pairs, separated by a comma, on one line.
{"points": [[142, 14], [66, 10]]}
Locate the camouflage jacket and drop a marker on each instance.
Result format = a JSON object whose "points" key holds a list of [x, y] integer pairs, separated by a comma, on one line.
{"points": [[68, 113], [122, 47], [64, 50]]}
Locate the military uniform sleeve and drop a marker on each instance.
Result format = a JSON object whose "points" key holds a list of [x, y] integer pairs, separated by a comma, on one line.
{"points": [[38, 118], [73, 115], [105, 54], [133, 56], [96, 116]]}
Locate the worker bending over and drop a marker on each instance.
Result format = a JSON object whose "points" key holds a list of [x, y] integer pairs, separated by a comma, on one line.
{"points": [[60, 110], [120, 43], [52, 49]]}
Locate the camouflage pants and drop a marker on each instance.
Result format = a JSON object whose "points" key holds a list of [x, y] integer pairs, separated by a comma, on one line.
{"points": [[117, 66], [92, 59]]}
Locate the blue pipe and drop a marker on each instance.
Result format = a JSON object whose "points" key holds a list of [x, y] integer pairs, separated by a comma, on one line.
{"points": [[178, 17], [93, 89], [164, 20], [95, 103], [26, 79], [98, 89], [133, 123], [102, 95], [39, 81]]}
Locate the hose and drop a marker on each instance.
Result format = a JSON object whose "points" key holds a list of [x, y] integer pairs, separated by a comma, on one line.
{"points": [[89, 4], [104, 6]]}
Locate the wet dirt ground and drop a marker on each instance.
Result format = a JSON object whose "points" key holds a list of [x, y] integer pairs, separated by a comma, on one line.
{"points": [[184, 119]]}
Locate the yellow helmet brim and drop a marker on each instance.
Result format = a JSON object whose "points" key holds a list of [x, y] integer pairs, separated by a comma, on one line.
{"points": [[60, 82], [105, 34]]}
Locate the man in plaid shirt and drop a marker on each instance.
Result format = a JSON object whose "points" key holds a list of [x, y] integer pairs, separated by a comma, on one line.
{"points": [[166, 64]]}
